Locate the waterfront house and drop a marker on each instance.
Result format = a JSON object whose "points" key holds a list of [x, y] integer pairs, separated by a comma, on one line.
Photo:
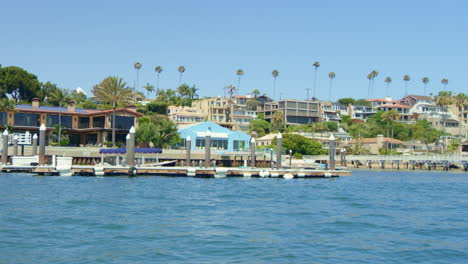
{"points": [[222, 139], [83, 126], [373, 145]]}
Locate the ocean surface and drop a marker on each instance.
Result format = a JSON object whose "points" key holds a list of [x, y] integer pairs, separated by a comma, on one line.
{"points": [[370, 217]]}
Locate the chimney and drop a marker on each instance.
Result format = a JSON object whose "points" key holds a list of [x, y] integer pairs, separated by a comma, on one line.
{"points": [[380, 141], [35, 103], [71, 106], [131, 108]]}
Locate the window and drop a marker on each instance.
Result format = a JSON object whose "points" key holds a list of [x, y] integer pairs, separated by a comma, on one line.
{"points": [[52, 120], [239, 145], [3, 118], [123, 122], [23, 119]]}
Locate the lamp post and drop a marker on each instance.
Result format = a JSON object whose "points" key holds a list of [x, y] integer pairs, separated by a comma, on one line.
{"points": [[290, 158], [5, 147]]}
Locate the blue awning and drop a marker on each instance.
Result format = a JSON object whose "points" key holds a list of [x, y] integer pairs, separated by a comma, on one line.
{"points": [[124, 150]]}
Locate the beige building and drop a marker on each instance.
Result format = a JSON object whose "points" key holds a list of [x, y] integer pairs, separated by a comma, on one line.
{"points": [[295, 112], [215, 109], [185, 115]]}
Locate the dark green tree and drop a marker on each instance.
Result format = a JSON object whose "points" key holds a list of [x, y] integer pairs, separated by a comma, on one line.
{"points": [[19, 83]]}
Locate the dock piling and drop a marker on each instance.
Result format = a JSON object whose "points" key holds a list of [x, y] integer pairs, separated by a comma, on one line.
{"points": [[252, 152], [5, 147], [332, 152], [42, 145], [188, 148], [34, 145], [207, 148]]}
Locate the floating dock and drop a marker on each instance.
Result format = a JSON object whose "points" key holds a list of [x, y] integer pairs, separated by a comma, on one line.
{"points": [[198, 172]]}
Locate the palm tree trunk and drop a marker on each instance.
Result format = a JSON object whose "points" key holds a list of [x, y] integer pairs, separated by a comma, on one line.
{"points": [[113, 124], [274, 88], [158, 81], [315, 81], [406, 87], [387, 88], [368, 90], [60, 123], [180, 79], [238, 84], [136, 88], [330, 91]]}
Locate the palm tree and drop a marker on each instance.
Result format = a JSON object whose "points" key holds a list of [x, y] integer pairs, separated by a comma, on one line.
{"points": [[7, 104], [239, 73], [149, 88], [443, 100], [388, 80], [425, 80], [316, 66], [158, 69], [181, 70], [332, 76], [406, 78], [369, 77], [137, 67], [275, 74], [230, 89], [256, 92], [444, 82], [113, 90], [60, 96], [374, 75], [461, 101]]}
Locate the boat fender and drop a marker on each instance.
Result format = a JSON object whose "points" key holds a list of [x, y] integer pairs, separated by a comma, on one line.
{"points": [[132, 172]]}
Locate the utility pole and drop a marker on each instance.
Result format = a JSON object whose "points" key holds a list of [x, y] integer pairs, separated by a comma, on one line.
{"points": [[308, 90]]}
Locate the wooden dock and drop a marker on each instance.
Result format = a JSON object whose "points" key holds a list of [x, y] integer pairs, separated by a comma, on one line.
{"points": [[198, 172]]}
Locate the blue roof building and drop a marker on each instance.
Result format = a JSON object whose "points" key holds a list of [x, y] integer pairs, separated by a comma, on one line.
{"points": [[222, 139]]}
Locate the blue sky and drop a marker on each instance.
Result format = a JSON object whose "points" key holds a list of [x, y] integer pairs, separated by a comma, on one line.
{"points": [[79, 43]]}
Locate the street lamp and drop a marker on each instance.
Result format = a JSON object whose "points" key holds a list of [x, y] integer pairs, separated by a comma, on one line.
{"points": [[290, 158]]}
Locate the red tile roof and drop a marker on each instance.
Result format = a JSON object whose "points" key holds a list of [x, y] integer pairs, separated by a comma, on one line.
{"points": [[394, 106], [382, 100]]}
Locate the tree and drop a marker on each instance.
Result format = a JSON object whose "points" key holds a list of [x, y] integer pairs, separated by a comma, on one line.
{"points": [[157, 107], [373, 75], [113, 90], [46, 90], [21, 84], [444, 82], [261, 127], [256, 92], [159, 130], [460, 101], [181, 70], [332, 76], [406, 78], [388, 80], [277, 122], [239, 74], [137, 67], [316, 66], [346, 101], [78, 97], [301, 144], [362, 102], [7, 104], [425, 80], [158, 70], [149, 88], [230, 89], [275, 74], [443, 100]]}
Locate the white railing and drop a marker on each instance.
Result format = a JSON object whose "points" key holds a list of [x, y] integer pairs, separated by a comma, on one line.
{"points": [[431, 157]]}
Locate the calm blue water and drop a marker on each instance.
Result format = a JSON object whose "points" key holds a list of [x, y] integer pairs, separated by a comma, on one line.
{"points": [[370, 217]]}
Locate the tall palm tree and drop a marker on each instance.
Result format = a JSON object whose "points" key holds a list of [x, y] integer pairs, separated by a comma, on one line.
{"points": [[460, 101], [425, 80], [332, 76], [113, 90], [149, 88], [230, 89], [443, 100], [374, 75], [388, 80], [316, 66], [61, 97], [256, 92], [181, 70], [444, 82], [275, 74], [239, 74], [406, 78], [369, 77], [137, 67], [158, 70]]}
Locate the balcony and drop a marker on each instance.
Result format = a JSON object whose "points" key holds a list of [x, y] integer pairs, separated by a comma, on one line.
{"points": [[98, 124], [83, 125]]}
